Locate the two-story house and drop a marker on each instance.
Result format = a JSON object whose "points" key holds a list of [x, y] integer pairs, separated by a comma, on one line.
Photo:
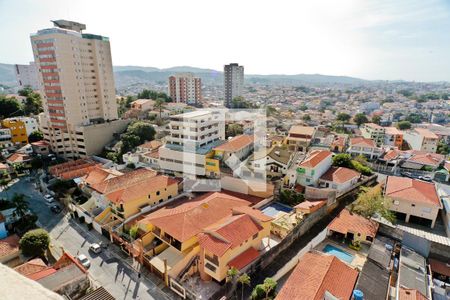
{"points": [[299, 138], [374, 132], [313, 167], [364, 146]]}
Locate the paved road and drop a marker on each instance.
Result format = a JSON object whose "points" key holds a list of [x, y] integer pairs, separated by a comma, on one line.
{"points": [[108, 268]]}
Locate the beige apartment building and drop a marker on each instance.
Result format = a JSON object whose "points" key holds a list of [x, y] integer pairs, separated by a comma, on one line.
{"points": [[76, 76], [374, 132], [185, 88]]}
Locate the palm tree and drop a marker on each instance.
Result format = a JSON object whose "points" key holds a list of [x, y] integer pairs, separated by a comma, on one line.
{"points": [[20, 204], [231, 275], [244, 279], [159, 104], [268, 286]]}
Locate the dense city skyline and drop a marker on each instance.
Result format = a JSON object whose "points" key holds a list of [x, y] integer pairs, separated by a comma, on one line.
{"points": [[405, 40]]}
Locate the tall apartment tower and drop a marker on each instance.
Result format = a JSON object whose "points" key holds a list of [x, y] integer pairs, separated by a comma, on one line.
{"points": [[233, 82], [184, 87], [76, 76], [26, 75]]}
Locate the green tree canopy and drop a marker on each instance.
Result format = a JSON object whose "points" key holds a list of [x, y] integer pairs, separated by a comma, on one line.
{"points": [[376, 119], [150, 94], [403, 125], [360, 118], [442, 148], [143, 130], [306, 118], [9, 107], [342, 160], [371, 201], [20, 205], [265, 290], [35, 136], [35, 242], [343, 117]]}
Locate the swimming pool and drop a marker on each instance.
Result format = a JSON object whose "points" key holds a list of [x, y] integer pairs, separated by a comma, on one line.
{"points": [[273, 209], [339, 253]]}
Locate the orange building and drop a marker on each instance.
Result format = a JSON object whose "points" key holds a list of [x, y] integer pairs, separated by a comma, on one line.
{"points": [[18, 131]]}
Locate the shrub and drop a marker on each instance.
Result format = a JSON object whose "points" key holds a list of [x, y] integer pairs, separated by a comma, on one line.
{"points": [[35, 242], [361, 168]]}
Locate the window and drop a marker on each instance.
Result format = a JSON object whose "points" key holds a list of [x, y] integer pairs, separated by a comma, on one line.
{"points": [[157, 193], [255, 236], [413, 205]]}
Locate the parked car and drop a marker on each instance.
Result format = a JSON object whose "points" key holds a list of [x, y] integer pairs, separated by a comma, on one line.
{"points": [[426, 178], [95, 248], [55, 209], [84, 261], [49, 200]]}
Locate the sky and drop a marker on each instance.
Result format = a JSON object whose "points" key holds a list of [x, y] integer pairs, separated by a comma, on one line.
{"points": [[388, 40]]}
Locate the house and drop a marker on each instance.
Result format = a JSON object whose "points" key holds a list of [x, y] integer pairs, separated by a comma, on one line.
{"points": [[274, 162], [41, 147], [9, 251], [299, 138], [18, 130], [309, 206], [5, 172], [318, 276], [72, 169], [374, 132], [19, 159], [234, 241], [393, 137], [363, 146], [313, 167], [340, 179], [235, 150], [338, 144], [172, 232], [143, 104], [146, 154], [30, 267], [412, 281], [353, 227], [423, 160], [422, 139], [413, 200]]}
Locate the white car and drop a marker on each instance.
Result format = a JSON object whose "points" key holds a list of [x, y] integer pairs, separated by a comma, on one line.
{"points": [[49, 200], [95, 248], [84, 261]]}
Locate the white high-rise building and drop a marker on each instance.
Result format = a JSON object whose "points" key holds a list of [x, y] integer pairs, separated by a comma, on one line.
{"points": [[27, 75], [233, 82], [77, 83]]}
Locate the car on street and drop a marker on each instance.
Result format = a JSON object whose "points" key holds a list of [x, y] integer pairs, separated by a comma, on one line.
{"points": [[95, 248], [426, 178], [84, 261], [49, 199], [55, 209]]}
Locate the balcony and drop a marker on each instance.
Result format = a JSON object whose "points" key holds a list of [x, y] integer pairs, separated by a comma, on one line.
{"points": [[214, 260]]}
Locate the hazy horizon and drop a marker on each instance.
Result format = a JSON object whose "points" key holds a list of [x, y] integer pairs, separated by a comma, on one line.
{"points": [[376, 40]]}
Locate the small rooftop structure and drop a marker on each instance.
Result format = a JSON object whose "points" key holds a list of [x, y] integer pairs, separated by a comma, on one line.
{"points": [[70, 25]]}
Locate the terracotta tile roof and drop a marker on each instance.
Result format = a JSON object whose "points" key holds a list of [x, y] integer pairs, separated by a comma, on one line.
{"points": [[410, 294], [350, 222], [65, 260], [236, 143], [373, 125], [393, 131], [255, 213], [40, 143], [72, 169], [338, 141], [412, 190], [3, 167], [9, 245], [98, 175], [316, 273], [309, 204], [440, 267], [30, 267], [153, 154], [152, 145], [120, 182], [244, 259], [41, 274], [340, 175], [425, 158], [362, 142], [315, 158], [18, 158], [302, 130], [426, 133], [392, 154], [140, 189], [190, 218], [228, 233]]}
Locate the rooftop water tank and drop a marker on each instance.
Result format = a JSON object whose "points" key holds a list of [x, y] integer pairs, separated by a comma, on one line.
{"points": [[358, 295]]}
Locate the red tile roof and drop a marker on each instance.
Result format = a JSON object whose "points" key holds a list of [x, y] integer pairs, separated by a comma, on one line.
{"points": [[141, 189], [340, 175], [393, 131], [425, 158], [236, 143], [255, 213], [410, 294], [72, 169], [126, 180], [310, 204], [426, 133], [228, 233], [4, 167], [392, 154], [9, 245], [440, 267], [412, 190], [30, 267], [362, 142], [316, 273], [190, 218], [18, 158], [338, 141], [98, 175], [41, 274], [351, 222], [152, 145], [244, 259], [40, 143], [65, 260], [315, 158]]}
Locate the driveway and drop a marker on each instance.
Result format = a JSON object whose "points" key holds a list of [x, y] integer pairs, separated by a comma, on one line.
{"points": [[110, 269]]}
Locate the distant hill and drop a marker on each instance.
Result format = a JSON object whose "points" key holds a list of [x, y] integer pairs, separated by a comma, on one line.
{"points": [[129, 75]]}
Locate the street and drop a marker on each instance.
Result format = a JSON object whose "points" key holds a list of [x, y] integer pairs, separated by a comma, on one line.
{"points": [[110, 269]]}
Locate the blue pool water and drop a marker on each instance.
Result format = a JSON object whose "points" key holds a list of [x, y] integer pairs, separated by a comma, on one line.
{"points": [[341, 254], [274, 208]]}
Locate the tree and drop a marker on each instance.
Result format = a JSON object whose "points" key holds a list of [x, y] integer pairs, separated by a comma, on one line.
{"points": [[160, 103], [306, 118], [134, 231], [20, 205], [371, 201], [240, 102], [360, 118], [9, 107], [232, 274], [403, 125], [376, 119], [129, 142], [303, 107], [414, 118], [233, 129], [343, 117], [265, 290], [143, 130], [442, 148], [33, 101], [35, 242], [150, 94], [342, 160], [243, 279], [35, 136], [291, 197]]}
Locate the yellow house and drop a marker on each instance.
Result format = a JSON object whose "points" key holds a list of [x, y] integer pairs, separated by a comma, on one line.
{"points": [[172, 231], [128, 200], [18, 131]]}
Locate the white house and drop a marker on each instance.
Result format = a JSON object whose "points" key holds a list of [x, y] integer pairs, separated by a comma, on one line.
{"points": [[340, 179], [422, 139], [313, 167], [365, 147]]}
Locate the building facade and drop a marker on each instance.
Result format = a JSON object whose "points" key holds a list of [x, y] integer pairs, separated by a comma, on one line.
{"points": [[77, 83], [422, 139], [31, 125], [374, 132], [18, 130], [233, 82], [185, 88], [27, 75]]}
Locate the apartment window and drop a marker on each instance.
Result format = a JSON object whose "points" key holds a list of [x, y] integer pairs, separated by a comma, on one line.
{"points": [[157, 193]]}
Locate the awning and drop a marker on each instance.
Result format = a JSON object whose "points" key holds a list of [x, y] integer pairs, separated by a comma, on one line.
{"points": [[244, 259], [171, 255]]}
